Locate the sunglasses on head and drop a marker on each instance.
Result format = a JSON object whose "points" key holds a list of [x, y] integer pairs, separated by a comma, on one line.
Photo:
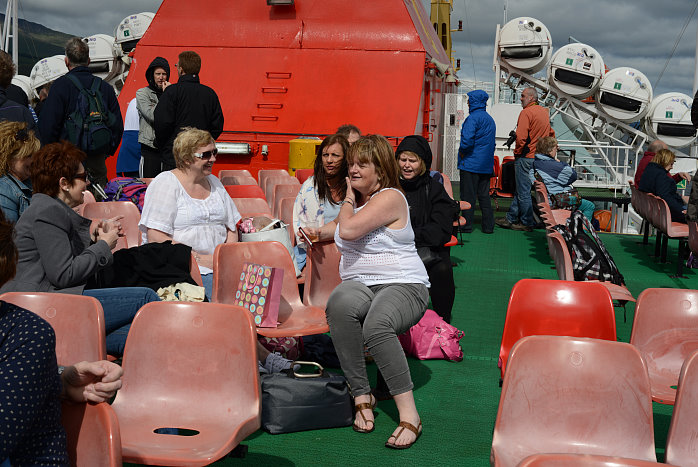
{"points": [[206, 155]]}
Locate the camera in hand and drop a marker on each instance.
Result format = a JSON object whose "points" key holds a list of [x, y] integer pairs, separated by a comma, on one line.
{"points": [[512, 138]]}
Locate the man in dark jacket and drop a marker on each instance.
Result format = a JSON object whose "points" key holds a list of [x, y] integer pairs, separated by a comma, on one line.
{"points": [[62, 101], [476, 160], [188, 103]]}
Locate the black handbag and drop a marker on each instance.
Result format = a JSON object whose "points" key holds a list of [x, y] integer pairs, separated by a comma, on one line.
{"points": [[293, 401]]}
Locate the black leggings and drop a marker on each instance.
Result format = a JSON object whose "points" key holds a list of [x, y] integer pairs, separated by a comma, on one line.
{"points": [[443, 289]]}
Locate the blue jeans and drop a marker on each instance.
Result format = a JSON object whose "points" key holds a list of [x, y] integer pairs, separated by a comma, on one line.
{"points": [[522, 207], [120, 306], [207, 282]]}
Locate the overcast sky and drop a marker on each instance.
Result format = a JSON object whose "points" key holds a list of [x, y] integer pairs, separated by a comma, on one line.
{"points": [[636, 33]]}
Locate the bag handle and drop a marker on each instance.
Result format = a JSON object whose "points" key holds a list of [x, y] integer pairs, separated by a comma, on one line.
{"points": [[318, 367]]}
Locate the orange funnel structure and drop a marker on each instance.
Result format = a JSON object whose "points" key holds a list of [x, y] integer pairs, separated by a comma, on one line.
{"points": [[283, 72]]}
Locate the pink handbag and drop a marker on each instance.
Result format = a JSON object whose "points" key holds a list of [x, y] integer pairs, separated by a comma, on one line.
{"points": [[433, 338]]}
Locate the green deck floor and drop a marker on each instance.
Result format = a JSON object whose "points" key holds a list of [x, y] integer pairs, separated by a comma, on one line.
{"points": [[458, 401]]}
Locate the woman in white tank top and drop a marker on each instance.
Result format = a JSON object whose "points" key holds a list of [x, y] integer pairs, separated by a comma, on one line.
{"points": [[384, 285]]}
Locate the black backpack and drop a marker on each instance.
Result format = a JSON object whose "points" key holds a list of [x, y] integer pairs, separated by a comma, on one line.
{"points": [[89, 125], [590, 259]]}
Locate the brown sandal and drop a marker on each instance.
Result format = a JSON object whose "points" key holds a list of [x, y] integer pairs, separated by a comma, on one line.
{"points": [[365, 406], [416, 430]]}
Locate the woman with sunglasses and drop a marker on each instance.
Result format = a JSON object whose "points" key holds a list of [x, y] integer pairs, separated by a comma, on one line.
{"points": [[17, 145], [61, 251], [189, 204]]}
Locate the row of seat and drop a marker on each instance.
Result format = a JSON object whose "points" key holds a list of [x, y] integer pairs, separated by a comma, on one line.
{"points": [[664, 331], [571, 395], [655, 212]]}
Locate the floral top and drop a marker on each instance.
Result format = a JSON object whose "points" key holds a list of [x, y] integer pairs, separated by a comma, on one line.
{"points": [[308, 207]]}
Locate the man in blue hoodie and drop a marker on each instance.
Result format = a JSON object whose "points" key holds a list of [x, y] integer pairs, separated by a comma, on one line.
{"points": [[476, 161]]}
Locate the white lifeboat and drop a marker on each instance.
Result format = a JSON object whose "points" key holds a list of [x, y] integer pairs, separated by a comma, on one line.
{"points": [[624, 94], [669, 119], [24, 82], [576, 69], [101, 54], [525, 44], [130, 30], [46, 70]]}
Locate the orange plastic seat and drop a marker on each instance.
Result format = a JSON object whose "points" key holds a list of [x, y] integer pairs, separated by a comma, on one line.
{"points": [[264, 173], [681, 447], [665, 331], [191, 366], [283, 191], [129, 224], [565, 271], [295, 319], [583, 460], [251, 205], [238, 180], [322, 273], [303, 174], [558, 308], [273, 180], [93, 437], [233, 173], [77, 320], [245, 191], [285, 213], [500, 179], [573, 395]]}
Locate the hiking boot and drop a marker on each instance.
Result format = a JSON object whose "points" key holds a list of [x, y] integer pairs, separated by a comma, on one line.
{"points": [[520, 226], [504, 223]]}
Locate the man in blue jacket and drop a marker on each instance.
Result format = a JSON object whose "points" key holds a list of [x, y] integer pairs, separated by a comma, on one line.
{"points": [[476, 160]]}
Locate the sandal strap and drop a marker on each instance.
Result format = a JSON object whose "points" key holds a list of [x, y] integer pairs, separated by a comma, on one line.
{"points": [[410, 427], [363, 406]]}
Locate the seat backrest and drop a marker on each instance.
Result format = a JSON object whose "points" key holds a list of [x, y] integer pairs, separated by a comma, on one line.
{"points": [[251, 205], [283, 191], [584, 460], [561, 256], [264, 173], [109, 209], [285, 213], [559, 308], [186, 364], [447, 185], [323, 276], [229, 258], [89, 198], [681, 446], [573, 395], [233, 172], [92, 434], [273, 180], [238, 180], [245, 191], [303, 174], [77, 320]]}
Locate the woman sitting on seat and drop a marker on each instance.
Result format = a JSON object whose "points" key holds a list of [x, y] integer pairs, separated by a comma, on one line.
{"points": [[656, 180], [17, 145], [384, 285], [431, 216], [319, 199], [558, 177], [58, 251], [190, 205]]}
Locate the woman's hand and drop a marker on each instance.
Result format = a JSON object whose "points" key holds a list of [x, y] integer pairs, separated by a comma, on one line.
{"points": [[112, 224], [110, 237], [203, 260], [91, 381], [351, 196]]}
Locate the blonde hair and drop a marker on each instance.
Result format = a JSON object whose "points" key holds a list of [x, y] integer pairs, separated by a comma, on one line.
{"points": [[377, 150], [16, 143], [545, 145], [187, 142], [421, 168], [664, 157]]}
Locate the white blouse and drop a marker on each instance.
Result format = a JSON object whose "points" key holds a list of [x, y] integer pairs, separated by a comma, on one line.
{"points": [[202, 224]]}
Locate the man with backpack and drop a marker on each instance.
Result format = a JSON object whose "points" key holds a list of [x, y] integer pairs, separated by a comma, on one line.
{"points": [[83, 109]]}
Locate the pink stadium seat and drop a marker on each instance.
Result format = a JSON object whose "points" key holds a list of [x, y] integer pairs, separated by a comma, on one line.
{"points": [[681, 446]]}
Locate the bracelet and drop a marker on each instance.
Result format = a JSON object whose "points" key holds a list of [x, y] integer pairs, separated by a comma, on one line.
{"points": [[350, 201]]}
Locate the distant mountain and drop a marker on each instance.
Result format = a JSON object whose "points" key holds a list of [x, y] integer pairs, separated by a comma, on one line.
{"points": [[36, 42]]}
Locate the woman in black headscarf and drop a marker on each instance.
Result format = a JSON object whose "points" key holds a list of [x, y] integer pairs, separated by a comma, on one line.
{"points": [[158, 76], [431, 214]]}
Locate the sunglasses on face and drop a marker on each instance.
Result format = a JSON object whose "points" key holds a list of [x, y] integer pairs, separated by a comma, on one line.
{"points": [[80, 176], [206, 155]]}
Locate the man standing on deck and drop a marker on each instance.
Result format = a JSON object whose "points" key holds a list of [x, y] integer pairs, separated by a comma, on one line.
{"points": [[533, 123], [187, 103], [62, 103]]}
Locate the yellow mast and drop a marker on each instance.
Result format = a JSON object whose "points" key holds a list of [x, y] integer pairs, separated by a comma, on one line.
{"points": [[441, 20]]}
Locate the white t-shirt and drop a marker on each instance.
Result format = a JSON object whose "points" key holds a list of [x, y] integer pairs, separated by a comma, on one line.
{"points": [[202, 224]]}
